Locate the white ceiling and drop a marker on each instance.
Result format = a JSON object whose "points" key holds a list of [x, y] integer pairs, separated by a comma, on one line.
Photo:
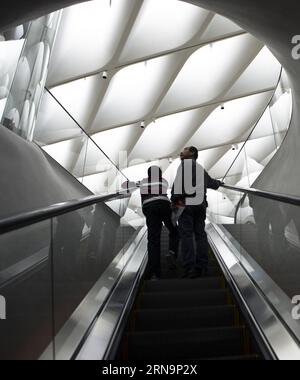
{"points": [[171, 65]]}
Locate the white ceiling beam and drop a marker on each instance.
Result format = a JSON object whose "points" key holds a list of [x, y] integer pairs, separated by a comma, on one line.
{"points": [[197, 106], [113, 61], [186, 54], [114, 68], [215, 103], [222, 95]]}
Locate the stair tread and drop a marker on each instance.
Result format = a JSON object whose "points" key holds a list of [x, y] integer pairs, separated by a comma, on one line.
{"points": [[183, 284], [184, 318], [179, 318], [183, 310], [236, 358], [184, 292], [181, 334], [183, 299], [207, 342]]}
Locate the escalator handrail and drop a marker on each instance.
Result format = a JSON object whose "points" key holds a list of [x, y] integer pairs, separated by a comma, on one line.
{"points": [[32, 217], [289, 199]]}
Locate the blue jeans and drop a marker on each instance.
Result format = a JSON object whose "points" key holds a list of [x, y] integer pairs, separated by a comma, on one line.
{"points": [[157, 213], [192, 225]]}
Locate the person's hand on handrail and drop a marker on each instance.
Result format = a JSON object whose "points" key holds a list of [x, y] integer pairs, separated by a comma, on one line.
{"points": [[129, 185]]}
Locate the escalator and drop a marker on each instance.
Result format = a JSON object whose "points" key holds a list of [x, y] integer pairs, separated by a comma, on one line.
{"points": [[90, 300], [184, 319]]}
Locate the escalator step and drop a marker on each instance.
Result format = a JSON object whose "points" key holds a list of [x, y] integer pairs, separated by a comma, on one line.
{"points": [[184, 344], [213, 271], [166, 260], [181, 285], [192, 318], [177, 299], [238, 358]]}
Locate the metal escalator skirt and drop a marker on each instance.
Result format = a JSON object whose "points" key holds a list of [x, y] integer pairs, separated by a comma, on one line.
{"points": [[281, 342]]}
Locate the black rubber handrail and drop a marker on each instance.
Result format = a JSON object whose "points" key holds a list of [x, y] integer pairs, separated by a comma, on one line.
{"points": [[30, 218], [289, 199]]}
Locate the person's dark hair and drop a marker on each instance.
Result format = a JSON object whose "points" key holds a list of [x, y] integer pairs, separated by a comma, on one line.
{"points": [[194, 151], [154, 170]]}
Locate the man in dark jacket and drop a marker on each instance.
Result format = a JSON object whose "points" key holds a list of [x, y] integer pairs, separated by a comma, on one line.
{"points": [[189, 191]]}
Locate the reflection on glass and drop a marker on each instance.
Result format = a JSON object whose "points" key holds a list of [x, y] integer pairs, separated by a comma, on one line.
{"points": [[265, 233], [270, 234], [85, 243], [64, 140], [11, 45], [25, 94], [70, 154], [222, 206], [48, 269], [247, 159], [53, 124], [256, 152], [25, 282]]}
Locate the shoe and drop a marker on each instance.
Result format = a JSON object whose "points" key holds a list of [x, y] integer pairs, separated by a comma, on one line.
{"points": [[154, 277], [196, 273], [172, 253], [171, 260], [187, 273]]}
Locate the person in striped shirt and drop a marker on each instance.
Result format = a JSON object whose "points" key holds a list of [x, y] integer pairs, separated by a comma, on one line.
{"points": [[157, 210]]}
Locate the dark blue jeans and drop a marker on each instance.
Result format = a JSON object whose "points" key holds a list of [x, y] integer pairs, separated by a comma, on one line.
{"points": [[157, 213], [192, 225]]}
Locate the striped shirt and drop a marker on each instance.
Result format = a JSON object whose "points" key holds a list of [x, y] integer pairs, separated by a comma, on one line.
{"points": [[153, 191]]}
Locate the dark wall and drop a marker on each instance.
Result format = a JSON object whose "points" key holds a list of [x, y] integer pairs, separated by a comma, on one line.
{"points": [[17, 12]]}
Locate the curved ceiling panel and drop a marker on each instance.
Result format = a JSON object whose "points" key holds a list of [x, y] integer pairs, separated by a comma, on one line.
{"points": [[94, 160], [263, 128], [9, 54], [209, 157], [161, 26], [138, 170], [250, 161], [116, 141], [96, 183], [173, 132], [210, 72], [223, 126], [80, 97], [134, 91], [220, 27], [88, 38], [69, 154], [176, 92], [262, 74], [53, 124]]}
